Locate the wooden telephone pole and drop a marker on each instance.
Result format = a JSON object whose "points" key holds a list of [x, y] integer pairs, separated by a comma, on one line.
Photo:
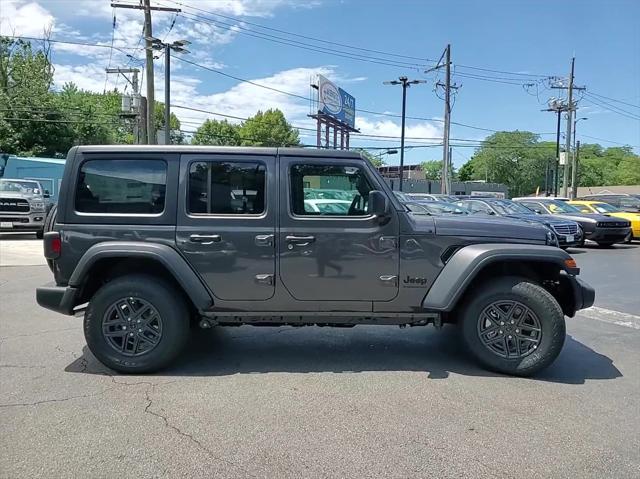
{"points": [[148, 36]]}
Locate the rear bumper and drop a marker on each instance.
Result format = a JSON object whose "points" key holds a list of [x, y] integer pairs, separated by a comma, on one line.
{"points": [[60, 299]]}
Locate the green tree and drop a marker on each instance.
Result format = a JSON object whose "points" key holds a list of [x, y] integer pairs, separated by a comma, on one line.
{"points": [[268, 129], [515, 158], [176, 135], [466, 172], [214, 132], [374, 159], [432, 169]]}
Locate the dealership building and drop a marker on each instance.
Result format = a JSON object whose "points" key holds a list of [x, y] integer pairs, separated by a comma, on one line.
{"points": [[48, 171]]}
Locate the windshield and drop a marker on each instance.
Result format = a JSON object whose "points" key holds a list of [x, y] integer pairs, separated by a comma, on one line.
{"points": [[510, 208], [24, 187], [402, 196], [556, 206], [605, 208]]}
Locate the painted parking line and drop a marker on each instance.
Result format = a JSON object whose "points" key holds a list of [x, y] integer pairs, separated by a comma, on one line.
{"points": [[612, 317]]}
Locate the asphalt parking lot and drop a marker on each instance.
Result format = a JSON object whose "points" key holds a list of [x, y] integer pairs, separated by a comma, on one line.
{"points": [[320, 402]]}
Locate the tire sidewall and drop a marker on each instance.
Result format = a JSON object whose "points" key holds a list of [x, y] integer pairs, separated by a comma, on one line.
{"points": [[540, 301], [170, 307]]}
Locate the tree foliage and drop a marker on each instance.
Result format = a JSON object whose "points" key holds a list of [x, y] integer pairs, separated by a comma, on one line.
{"points": [[263, 129]]}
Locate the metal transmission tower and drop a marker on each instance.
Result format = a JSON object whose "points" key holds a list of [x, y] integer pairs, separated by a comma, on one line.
{"points": [[177, 46], [406, 83], [446, 151], [148, 33]]}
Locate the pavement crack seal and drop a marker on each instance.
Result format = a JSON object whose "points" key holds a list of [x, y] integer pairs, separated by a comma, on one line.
{"points": [[189, 437]]}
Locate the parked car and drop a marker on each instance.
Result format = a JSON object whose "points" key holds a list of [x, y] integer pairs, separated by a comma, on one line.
{"points": [[568, 232], [628, 203], [437, 208], [602, 229], [128, 249], [24, 205], [610, 210], [431, 197], [327, 207]]}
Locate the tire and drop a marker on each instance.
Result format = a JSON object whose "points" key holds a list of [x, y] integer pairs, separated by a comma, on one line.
{"points": [[170, 331], [527, 298], [40, 234]]}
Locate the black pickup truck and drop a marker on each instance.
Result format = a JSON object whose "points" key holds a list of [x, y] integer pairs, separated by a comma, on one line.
{"points": [[151, 240]]}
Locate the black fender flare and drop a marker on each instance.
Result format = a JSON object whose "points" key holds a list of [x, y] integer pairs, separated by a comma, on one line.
{"points": [[470, 260], [163, 254]]}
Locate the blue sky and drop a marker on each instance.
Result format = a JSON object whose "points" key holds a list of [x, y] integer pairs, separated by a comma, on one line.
{"points": [[526, 37]]}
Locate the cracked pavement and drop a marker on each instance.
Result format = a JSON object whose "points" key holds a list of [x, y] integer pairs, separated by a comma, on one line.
{"points": [[319, 402]]}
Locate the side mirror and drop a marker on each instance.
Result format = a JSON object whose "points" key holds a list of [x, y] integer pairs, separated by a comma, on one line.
{"points": [[46, 194], [378, 204]]}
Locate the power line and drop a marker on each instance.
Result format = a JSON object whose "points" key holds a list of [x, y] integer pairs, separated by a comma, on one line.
{"points": [[113, 34], [608, 141], [610, 107], [613, 99]]}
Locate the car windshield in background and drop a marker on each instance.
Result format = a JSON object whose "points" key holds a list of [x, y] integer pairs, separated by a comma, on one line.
{"points": [[605, 208], [24, 187], [556, 206], [505, 207], [437, 208], [405, 198]]}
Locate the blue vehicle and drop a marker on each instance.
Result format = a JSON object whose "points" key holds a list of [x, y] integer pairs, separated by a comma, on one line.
{"points": [[569, 233]]}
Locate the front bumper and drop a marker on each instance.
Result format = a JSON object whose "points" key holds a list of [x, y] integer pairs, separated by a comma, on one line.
{"points": [[26, 222], [615, 235], [61, 299]]}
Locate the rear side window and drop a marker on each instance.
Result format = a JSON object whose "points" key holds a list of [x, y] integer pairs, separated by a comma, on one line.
{"points": [[121, 187], [226, 188]]}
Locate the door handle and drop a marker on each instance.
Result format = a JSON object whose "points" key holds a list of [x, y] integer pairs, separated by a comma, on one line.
{"points": [[205, 239], [300, 240], [264, 240]]}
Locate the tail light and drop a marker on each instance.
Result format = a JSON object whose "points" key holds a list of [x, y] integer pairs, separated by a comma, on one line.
{"points": [[52, 245]]}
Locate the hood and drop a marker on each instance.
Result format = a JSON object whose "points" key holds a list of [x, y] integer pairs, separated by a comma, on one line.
{"points": [[477, 226], [544, 219], [13, 194], [582, 217]]}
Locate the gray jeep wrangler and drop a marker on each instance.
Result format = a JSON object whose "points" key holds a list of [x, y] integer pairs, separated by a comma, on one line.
{"points": [[151, 240]]}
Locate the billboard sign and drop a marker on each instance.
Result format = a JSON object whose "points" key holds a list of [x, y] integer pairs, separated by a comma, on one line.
{"points": [[335, 102]]}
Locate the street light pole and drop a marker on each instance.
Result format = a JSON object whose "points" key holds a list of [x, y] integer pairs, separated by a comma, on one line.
{"points": [[406, 83], [574, 162], [177, 46]]}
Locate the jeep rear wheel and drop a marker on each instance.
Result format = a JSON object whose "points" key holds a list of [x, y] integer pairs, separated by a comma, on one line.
{"points": [[513, 326], [136, 324]]}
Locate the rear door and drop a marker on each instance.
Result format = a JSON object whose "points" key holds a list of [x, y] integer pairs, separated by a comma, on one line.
{"points": [[226, 223]]}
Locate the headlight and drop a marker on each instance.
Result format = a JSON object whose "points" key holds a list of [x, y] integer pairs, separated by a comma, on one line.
{"points": [[552, 239], [37, 206]]}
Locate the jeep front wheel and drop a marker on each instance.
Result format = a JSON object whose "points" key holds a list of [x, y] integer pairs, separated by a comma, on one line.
{"points": [[513, 326], [136, 324]]}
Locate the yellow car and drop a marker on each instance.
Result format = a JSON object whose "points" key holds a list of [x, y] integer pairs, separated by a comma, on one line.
{"points": [[610, 210]]}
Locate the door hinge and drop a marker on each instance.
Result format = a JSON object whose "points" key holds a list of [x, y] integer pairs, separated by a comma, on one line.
{"points": [[264, 279], [389, 279]]}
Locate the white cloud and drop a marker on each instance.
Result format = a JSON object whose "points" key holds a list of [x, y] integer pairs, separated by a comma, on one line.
{"points": [[22, 18]]}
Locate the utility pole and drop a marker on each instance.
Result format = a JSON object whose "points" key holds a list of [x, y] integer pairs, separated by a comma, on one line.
{"points": [[406, 83], [565, 175], [445, 187], [557, 106], [148, 34], [574, 171], [140, 118]]}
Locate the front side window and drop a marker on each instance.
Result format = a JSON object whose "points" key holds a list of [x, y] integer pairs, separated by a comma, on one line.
{"points": [[226, 188], [121, 187], [329, 190]]}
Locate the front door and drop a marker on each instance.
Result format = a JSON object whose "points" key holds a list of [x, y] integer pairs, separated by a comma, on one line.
{"points": [[226, 223], [331, 249]]}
